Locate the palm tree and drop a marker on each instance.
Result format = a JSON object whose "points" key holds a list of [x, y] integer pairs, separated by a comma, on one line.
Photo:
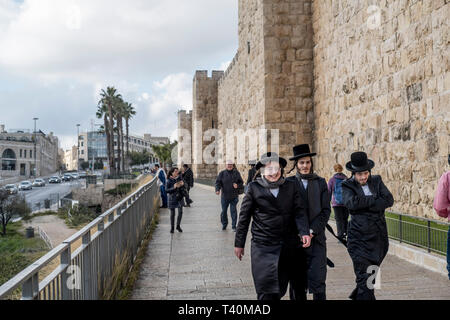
{"points": [[164, 152], [119, 112], [129, 113], [109, 99]]}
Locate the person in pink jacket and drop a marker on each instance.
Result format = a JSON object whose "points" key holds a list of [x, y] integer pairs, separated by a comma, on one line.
{"points": [[442, 206]]}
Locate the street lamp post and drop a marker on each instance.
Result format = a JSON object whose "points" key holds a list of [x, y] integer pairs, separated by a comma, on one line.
{"points": [[34, 139], [78, 147]]}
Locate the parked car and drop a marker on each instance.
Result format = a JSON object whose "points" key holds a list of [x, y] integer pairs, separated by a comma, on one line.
{"points": [[25, 185], [11, 188], [39, 183], [67, 177], [75, 175], [54, 179]]}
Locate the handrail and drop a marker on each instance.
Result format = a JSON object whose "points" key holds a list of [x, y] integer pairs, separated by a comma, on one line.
{"points": [[92, 264]]}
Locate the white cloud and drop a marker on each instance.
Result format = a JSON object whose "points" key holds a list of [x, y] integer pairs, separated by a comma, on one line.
{"points": [[56, 56], [105, 39]]}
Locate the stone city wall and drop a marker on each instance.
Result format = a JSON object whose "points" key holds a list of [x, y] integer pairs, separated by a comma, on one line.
{"points": [[383, 88]]}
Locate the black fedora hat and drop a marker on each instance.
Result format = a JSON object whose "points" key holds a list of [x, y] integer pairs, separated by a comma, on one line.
{"points": [[269, 157], [302, 150], [359, 162]]}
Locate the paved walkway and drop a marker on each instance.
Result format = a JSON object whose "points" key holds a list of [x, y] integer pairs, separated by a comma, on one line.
{"points": [[200, 263]]}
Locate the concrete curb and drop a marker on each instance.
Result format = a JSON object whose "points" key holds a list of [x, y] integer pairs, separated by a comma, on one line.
{"points": [[417, 256]]}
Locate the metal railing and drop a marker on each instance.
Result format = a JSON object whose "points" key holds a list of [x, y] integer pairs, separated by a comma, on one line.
{"points": [[88, 260], [43, 235], [425, 233]]}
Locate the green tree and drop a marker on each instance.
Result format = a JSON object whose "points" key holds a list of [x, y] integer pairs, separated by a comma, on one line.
{"points": [[11, 205], [164, 152], [84, 165]]}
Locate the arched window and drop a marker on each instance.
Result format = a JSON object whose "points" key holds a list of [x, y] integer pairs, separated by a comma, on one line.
{"points": [[8, 160]]}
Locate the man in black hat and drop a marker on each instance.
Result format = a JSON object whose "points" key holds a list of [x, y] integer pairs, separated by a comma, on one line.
{"points": [[314, 193], [366, 198], [279, 218]]}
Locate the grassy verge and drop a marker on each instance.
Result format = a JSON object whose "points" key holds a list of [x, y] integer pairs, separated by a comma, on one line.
{"points": [[18, 252], [415, 231]]}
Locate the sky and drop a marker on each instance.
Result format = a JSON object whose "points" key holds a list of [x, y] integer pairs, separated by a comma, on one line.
{"points": [[57, 55]]}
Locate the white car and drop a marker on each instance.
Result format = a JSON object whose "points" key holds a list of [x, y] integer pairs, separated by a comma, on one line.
{"points": [[39, 183], [25, 185], [11, 188], [75, 175]]}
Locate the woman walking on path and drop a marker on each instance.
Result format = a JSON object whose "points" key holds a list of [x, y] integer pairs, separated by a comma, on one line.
{"points": [[340, 211], [366, 198], [173, 189], [279, 217]]}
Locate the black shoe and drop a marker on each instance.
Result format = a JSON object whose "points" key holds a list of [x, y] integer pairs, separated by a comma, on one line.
{"points": [[179, 229], [224, 228], [187, 205], [171, 230], [190, 201]]}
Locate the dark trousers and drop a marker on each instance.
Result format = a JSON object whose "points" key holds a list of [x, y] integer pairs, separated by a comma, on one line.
{"points": [[362, 290], [291, 270], [448, 253], [188, 199], [163, 195], [341, 215], [172, 216], [233, 211]]}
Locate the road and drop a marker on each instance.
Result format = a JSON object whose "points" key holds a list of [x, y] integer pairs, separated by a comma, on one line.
{"points": [[36, 197]]}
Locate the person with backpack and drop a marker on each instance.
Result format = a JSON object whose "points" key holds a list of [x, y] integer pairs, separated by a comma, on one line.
{"points": [[340, 211]]}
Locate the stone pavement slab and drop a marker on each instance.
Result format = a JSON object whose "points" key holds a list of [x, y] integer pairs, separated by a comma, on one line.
{"points": [[199, 263]]}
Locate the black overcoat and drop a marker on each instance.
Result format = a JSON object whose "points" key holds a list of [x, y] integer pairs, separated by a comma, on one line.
{"points": [[317, 252], [188, 178], [367, 230], [277, 223]]}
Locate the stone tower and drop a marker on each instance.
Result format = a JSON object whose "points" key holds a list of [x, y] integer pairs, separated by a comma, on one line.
{"points": [[204, 117]]}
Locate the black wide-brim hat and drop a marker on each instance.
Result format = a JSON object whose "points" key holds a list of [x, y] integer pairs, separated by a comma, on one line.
{"points": [[302, 150], [359, 162], [269, 157]]}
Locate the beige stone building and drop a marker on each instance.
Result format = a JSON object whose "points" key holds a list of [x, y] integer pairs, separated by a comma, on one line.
{"points": [[342, 76], [19, 155], [70, 158]]}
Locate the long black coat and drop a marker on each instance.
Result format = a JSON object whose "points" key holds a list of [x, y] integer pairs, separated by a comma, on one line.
{"points": [[188, 177], [317, 252], [367, 231], [277, 222]]}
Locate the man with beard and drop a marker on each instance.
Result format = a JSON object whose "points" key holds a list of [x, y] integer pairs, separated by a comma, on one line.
{"points": [[279, 218], [314, 193], [366, 198]]}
